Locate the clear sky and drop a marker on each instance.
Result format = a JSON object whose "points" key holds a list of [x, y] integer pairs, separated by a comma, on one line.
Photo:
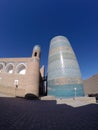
{"points": [[24, 23]]}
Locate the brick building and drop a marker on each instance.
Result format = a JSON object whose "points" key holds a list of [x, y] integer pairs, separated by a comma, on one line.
{"points": [[22, 76]]}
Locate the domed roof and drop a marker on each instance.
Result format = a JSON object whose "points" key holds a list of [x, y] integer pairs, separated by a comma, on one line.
{"points": [[37, 47]]}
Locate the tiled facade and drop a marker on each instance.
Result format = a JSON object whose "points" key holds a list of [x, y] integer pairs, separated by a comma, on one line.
{"points": [[63, 69]]}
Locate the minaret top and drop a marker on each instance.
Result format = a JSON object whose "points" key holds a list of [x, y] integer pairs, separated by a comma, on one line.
{"points": [[36, 51], [59, 38], [37, 47]]}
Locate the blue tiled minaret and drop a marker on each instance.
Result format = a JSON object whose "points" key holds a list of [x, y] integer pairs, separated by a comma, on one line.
{"points": [[64, 77]]}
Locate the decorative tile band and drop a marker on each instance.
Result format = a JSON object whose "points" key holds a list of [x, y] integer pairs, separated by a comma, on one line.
{"points": [[69, 90], [63, 81]]}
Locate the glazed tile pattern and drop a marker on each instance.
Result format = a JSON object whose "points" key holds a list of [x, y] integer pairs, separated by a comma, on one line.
{"points": [[63, 69]]}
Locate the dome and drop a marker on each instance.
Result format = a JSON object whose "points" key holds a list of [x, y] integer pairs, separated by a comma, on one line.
{"points": [[37, 47]]}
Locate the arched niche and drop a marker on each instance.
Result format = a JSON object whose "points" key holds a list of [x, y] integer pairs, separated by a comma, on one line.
{"points": [[21, 69], [1, 67], [9, 68]]}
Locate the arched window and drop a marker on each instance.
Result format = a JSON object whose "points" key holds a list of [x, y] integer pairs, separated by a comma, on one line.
{"points": [[21, 69], [35, 54], [1, 67], [9, 68]]}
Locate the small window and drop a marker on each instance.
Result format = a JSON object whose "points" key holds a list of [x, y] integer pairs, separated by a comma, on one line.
{"points": [[35, 54], [15, 82]]}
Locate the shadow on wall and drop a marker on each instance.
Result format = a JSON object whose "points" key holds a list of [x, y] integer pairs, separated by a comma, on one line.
{"points": [[31, 97], [43, 86]]}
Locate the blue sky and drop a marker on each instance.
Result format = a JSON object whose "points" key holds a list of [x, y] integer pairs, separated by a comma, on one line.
{"points": [[24, 23]]}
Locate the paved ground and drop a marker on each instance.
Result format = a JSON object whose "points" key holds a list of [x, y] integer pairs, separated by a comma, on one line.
{"points": [[22, 114], [77, 102]]}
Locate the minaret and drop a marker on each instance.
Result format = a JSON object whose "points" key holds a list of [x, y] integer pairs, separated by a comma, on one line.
{"points": [[64, 76], [34, 72]]}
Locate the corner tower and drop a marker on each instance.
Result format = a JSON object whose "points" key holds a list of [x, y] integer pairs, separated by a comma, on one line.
{"points": [[64, 77], [34, 72]]}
